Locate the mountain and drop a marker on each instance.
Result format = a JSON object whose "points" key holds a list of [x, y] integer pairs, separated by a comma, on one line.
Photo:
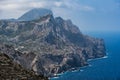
{"points": [[10, 70], [35, 13], [49, 45], [12, 19]]}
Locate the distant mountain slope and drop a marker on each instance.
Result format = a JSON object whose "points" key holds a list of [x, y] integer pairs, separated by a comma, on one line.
{"points": [[10, 70], [54, 45], [35, 13]]}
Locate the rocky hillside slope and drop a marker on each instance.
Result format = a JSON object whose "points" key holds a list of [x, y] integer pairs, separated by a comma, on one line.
{"points": [[48, 45], [10, 70]]}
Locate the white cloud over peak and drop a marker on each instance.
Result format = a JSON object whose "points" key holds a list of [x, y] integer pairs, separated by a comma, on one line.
{"points": [[88, 14], [15, 8]]}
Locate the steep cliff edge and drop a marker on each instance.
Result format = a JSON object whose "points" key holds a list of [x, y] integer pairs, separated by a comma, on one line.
{"points": [[49, 45]]}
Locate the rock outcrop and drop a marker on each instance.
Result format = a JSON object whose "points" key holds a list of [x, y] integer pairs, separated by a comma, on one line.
{"points": [[10, 70], [49, 45]]}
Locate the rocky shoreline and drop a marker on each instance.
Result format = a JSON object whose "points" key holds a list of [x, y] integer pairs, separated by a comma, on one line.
{"points": [[75, 69]]}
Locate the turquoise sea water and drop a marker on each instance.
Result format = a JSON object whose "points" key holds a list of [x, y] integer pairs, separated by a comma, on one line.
{"points": [[107, 68]]}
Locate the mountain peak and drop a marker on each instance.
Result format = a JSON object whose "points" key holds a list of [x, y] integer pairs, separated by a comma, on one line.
{"points": [[35, 13], [48, 45]]}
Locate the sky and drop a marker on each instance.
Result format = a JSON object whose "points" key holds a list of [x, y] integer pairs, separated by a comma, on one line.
{"points": [[88, 15]]}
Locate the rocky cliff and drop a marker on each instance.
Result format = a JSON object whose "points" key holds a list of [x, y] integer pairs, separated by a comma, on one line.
{"points": [[48, 45], [10, 70]]}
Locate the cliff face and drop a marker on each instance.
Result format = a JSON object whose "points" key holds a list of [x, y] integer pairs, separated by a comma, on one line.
{"points": [[10, 70], [48, 45]]}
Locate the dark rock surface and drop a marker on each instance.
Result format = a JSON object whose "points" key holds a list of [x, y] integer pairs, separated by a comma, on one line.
{"points": [[49, 45], [10, 70]]}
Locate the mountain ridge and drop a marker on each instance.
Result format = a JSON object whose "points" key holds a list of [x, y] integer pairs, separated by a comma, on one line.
{"points": [[34, 13], [49, 45]]}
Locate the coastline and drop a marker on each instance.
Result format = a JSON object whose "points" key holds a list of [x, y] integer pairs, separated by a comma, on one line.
{"points": [[97, 58], [106, 56], [78, 68]]}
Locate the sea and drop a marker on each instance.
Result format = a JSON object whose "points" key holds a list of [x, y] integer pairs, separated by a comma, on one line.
{"points": [[105, 68]]}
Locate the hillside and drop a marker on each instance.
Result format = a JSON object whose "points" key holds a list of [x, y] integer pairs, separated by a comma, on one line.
{"points": [[49, 45], [10, 70]]}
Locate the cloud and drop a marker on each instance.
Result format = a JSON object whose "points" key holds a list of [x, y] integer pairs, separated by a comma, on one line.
{"points": [[76, 5], [84, 13], [88, 8], [58, 4], [15, 8]]}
